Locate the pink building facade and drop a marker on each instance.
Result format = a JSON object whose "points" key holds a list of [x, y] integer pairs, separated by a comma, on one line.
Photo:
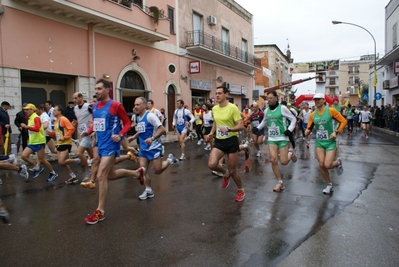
{"points": [[51, 49]]}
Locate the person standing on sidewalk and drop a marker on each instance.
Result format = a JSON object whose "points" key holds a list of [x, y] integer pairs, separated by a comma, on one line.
{"points": [[63, 131], [83, 112], [149, 131], [5, 127], [108, 115], [279, 135], [227, 123], [182, 125], [36, 143], [323, 119]]}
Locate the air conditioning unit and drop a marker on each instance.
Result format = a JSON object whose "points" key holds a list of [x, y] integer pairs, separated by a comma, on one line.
{"points": [[227, 85], [385, 84], [212, 20]]}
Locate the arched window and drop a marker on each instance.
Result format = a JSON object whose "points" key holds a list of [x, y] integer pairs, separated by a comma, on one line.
{"points": [[131, 80]]}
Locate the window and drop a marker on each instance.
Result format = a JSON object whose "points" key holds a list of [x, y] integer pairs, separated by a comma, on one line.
{"points": [[138, 3], [171, 16], [198, 29], [332, 81], [353, 69], [244, 50], [225, 41]]}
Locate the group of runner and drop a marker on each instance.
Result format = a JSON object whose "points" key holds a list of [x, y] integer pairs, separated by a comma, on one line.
{"points": [[106, 122]]}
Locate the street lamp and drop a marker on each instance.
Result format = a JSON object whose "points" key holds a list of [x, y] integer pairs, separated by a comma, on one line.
{"points": [[375, 53]]}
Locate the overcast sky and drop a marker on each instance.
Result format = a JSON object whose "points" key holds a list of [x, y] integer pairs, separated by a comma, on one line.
{"points": [[311, 35]]}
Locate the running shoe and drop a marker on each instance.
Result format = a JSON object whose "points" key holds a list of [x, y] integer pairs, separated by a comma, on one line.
{"points": [[77, 161], [33, 169], [293, 157], [87, 175], [279, 187], [37, 172], [52, 177], [173, 159], [217, 173], [328, 190], [340, 168], [247, 150], [146, 194], [96, 217], [88, 184], [72, 180], [24, 172], [89, 162], [199, 142], [208, 147], [4, 215], [240, 195], [226, 181], [182, 157], [141, 177]]}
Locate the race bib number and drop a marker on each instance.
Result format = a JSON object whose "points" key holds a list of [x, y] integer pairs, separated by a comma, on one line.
{"points": [[99, 125], [82, 127], [140, 127], [322, 135], [222, 134], [255, 123], [273, 131], [57, 136], [180, 121]]}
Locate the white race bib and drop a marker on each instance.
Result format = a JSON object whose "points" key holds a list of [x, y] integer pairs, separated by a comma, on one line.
{"points": [[82, 127], [99, 124], [180, 121], [57, 136], [255, 123], [273, 131], [220, 133], [322, 135], [140, 127]]}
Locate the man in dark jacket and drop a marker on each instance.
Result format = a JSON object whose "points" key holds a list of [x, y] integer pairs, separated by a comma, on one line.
{"points": [[69, 113], [5, 125], [22, 117]]}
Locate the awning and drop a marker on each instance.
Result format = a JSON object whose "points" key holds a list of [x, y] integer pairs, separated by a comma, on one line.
{"points": [[389, 58]]}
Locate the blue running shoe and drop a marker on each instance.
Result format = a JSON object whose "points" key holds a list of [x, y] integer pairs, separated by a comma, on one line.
{"points": [[52, 177], [38, 172]]}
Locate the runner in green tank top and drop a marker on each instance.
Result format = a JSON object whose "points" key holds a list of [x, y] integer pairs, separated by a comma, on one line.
{"points": [[323, 118], [278, 135]]}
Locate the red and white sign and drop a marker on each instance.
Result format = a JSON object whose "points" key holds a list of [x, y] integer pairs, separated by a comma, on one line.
{"points": [[194, 67], [396, 67]]}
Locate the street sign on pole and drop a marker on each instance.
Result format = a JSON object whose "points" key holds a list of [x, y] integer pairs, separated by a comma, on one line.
{"points": [[377, 96], [365, 97]]}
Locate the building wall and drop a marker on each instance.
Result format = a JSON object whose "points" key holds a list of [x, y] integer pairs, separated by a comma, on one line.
{"points": [[56, 44], [237, 20], [344, 75]]}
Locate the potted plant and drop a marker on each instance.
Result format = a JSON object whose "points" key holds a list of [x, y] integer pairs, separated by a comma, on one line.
{"points": [[156, 14]]}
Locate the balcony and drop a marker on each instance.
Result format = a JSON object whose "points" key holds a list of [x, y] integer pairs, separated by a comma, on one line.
{"points": [[119, 16], [206, 46]]}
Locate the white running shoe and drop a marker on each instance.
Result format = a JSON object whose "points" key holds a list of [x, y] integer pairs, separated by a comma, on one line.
{"points": [[328, 190], [182, 157], [146, 194], [173, 159], [24, 172], [293, 157]]}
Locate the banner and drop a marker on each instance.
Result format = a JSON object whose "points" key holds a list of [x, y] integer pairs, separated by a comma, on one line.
{"points": [[306, 67]]}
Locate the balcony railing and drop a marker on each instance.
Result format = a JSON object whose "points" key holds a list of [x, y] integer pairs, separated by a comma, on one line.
{"points": [[200, 38]]}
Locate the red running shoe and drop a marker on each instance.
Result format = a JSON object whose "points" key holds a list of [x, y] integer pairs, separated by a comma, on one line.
{"points": [[226, 181], [96, 217], [141, 177], [240, 195]]}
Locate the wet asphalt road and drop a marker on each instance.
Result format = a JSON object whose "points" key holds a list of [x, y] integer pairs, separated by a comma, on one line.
{"points": [[191, 221]]}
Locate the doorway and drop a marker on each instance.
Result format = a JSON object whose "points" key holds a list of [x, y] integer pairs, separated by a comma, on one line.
{"points": [[171, 106]]}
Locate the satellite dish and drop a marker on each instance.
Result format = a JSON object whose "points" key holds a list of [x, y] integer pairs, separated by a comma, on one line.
{"points": [[219, 79]]}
